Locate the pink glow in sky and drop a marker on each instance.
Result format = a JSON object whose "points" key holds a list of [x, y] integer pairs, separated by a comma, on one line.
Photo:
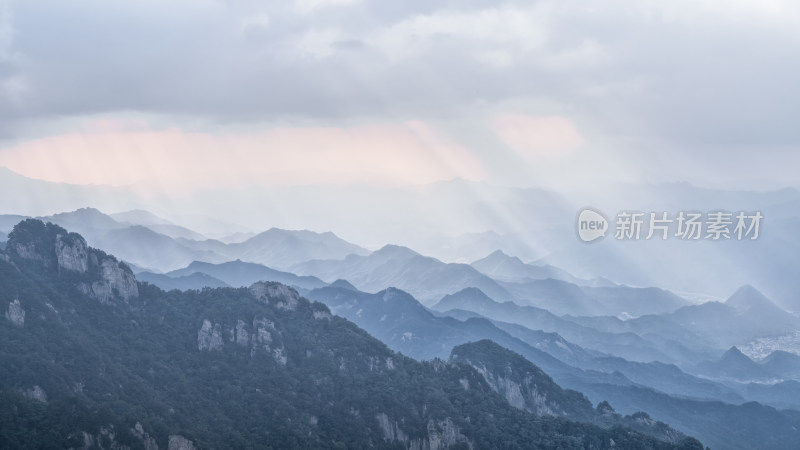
{"points": [[105, 153]]}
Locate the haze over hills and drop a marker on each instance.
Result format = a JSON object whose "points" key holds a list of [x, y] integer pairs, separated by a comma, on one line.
{"points": [[136, 240], [406, 326], [398, 319], [563, 297], [195, 280], [211, 354], [241, 274], [283, 249], [426, 278], [783, 364], [503, 267], [626, 344], [605, 357], [734, 365], [745, 316], [157, 224], [607, 340], [542, 231]]}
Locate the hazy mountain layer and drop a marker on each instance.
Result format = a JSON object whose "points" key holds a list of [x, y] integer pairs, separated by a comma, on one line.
{"points": [[427, 279], [92, 360]]}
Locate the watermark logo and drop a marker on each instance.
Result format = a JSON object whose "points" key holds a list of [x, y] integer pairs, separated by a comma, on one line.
{"points": [[591, 225], [684, 225]]}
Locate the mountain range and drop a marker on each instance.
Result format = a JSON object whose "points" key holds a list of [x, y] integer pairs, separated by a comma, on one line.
{"points": [[462, 221], [93, 358], [238, 274], [428, 279], [640, 349], [407, 326], [157, 245]]}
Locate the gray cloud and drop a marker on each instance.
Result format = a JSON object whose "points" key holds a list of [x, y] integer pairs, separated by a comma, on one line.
{"points": [[680, 76]]}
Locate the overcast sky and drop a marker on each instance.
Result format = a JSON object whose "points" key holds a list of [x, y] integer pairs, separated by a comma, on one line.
{"points": [[187, 94]]}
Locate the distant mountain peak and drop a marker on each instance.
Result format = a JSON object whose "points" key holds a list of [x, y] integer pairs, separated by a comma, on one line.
{"points": [[84, 217], [392, 292], [87, 211], [396, 251], [470, 295], [499, 256], [735, 355], [734, 351], [473, 292], [344, 284], [747, 297]]}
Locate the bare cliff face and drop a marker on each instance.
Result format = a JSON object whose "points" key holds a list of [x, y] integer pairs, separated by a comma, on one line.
{"points": [[72, 253], [261, 336], [521, 392], [440, 435], [116, 281]]}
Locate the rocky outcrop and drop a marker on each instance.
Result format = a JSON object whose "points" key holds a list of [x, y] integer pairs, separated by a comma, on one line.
{"points": [[262, 337], [520, 382], [15, 313], [441, 434], [322, 315], [524, 394], [36, 393], [106, 438], [240, 335], [209, 337], [178, 442], [445, 434], [258, 338], [391, 430], [72, 253], [147, 441], [281, 295], [100, 276], [116, 281]]}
